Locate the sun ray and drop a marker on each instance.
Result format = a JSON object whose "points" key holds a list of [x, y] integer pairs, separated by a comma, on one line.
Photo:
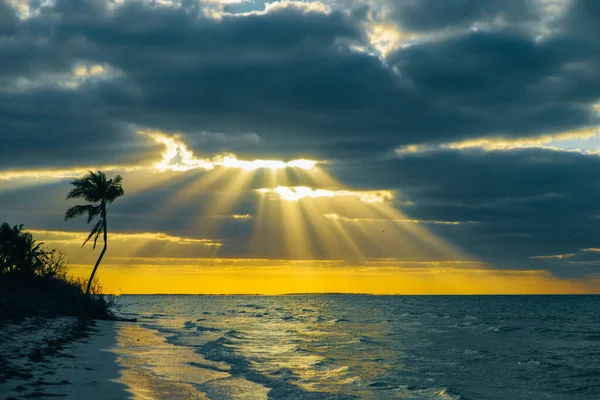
{"points": [[196, 186], [434, 244], [355, 252], [223, 200], [295, 231], [380, 225], [301, 211]]}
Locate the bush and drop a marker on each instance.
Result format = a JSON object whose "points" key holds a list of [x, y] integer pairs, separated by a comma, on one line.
{"points": [[35, 280], [40, 295]]}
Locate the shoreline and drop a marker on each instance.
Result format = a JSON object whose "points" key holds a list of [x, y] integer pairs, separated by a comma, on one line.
{"points": [[60, 357]]}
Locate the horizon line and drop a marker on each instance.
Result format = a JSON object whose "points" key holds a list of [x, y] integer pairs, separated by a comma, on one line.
{"points": [[352, 294]]}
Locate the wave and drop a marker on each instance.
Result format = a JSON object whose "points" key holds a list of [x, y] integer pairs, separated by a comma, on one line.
{"points": [[417, 392], [366, 339], [502, 328], [161, 329], [532, 363], [199, 328], [188, 324], [151, 316], [253, 306], [280, 382], [207, 329], [435, 394], [208, 366]]}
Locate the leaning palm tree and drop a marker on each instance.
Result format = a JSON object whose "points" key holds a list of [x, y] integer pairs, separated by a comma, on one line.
{"points": [[98, 191]]}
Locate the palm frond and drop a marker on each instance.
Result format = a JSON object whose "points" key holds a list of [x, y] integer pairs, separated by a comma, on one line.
{"points": [[93, 212], [97, 236], [91, 187], [114, 189], [96, 230], [77, 211]]}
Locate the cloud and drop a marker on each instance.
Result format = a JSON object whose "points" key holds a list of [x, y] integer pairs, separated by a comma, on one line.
{"points": [[565, 141], [488, 102], [401, 221], [521, 203], [52, 237], [300, 192], [177, 157], [580, 18], [431, 15], [298, 76]]}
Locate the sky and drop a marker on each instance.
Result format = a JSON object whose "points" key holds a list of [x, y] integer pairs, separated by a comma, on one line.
{"points": [[364, 146]]}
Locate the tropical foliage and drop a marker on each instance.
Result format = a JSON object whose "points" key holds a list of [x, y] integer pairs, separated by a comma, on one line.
{"points": [[34, 280], [21, 254]]}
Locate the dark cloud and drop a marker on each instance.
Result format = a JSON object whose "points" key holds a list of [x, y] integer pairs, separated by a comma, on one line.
{"points": [[57, 128], [288, 76], [581, 17], [429, 15], [515, 204], [8, 18]]}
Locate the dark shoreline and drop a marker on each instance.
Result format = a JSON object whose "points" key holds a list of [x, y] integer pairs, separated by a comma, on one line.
{"points": [[59, 356]]}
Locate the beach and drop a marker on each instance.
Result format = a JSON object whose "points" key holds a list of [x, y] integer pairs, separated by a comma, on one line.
{"points": [[59, 357]]}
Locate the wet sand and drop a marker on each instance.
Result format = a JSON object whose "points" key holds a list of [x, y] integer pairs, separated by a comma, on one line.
{"points": [[61, 357]]}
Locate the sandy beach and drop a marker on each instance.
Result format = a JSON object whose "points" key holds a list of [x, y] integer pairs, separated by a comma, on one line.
{"points": [[61, 357]]}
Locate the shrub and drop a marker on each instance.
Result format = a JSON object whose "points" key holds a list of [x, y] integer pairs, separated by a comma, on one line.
{"points": [[35, 280]]}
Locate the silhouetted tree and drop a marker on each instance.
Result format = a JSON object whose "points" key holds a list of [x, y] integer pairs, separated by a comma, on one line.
{"points": [[19, 252], [97, 190]]}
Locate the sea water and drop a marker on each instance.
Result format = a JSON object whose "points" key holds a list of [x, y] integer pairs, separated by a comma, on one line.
{"points": [[363, 347]]}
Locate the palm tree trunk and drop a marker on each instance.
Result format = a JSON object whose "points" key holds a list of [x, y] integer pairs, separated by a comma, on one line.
{"points": [[89, 285]]}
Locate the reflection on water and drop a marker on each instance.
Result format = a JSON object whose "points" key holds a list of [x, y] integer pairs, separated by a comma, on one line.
{"points": [[368, 347], [147, 359]]}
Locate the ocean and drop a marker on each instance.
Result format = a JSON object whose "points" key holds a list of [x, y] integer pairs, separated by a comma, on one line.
{"points": [[361, 347]]}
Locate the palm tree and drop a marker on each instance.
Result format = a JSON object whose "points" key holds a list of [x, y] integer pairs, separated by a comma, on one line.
{"points": [[19, 251], [97, 190]]}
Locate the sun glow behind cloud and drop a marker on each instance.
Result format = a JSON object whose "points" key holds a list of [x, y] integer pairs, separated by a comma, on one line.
{"points": [[79, 237], [584, 141], [177, 157], [300, 192], [295, 201]]}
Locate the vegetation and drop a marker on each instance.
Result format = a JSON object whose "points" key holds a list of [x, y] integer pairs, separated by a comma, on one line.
{"points": [[34, 280], [98, 191]]}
